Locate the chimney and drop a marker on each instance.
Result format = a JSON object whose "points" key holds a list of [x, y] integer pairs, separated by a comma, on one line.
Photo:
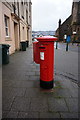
{"points": [[59, 23]]}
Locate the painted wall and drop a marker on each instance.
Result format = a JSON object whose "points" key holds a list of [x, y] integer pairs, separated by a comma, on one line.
{"points": [[0, 22], [8, 40], [19, 29]]}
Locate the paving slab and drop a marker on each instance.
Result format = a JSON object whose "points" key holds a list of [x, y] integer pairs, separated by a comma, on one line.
{"points": [[57, 105], [12, 114], [32, 92], [72, 104], [69, 115], [18, 91], [4, 114], [49, 115], [21, 104], [28, 115], [34, 78], [39, 104]]}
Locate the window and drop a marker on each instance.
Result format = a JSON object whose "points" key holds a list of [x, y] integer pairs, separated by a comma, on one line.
{"points": [[78, 29], [30, 6], [79, 7], [26, 16], [6, 19], [22, 5]]}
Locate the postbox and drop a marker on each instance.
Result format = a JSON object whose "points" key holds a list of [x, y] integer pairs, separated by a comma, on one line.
{"points": [[46, 48], [36, 54]]}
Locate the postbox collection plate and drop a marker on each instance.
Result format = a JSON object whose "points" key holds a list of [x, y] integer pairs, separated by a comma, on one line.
{"points": [[42, 55]]}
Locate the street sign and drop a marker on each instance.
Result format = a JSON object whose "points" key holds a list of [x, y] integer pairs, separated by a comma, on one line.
{"points": [[65, 36], [74, 32]]}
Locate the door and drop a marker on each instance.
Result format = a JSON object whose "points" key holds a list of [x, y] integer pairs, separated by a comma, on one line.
{"points": [[16, 38]]}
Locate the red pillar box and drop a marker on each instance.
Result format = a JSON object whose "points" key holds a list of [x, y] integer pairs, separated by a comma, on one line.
{"points": [[46, 47], [36, 54]]}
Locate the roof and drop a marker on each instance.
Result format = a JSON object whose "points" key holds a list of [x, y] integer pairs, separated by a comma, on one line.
{"points": [[67, 19]]}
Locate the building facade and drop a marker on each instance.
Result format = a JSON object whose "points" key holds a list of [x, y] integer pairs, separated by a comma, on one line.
{"points": [[76, 20], [15, 23], [71, 26]]}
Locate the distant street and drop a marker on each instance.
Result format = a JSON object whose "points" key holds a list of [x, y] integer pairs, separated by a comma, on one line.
{"points": [[66, 63], [73, 47]]}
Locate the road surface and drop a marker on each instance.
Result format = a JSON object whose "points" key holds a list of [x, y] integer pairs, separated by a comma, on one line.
{"points": [[66, 63], [71, 47]]}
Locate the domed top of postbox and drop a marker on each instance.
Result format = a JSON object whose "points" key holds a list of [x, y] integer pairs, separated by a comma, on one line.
{"points": [[47, 38]]}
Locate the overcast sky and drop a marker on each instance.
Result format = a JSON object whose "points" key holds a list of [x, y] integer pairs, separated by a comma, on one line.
{"points": [[46, 13]]}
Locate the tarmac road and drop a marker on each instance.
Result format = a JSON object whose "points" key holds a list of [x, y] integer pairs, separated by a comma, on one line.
{"points": [[66, 63]]}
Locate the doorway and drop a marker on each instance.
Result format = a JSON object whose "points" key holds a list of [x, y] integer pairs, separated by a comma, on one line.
{"points": [[16, 39]]}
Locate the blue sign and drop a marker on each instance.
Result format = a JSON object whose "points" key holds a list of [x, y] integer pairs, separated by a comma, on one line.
{"points": [[68, 38]]}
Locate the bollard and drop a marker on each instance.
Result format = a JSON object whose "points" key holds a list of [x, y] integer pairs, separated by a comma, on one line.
{"points": [[67, 46], [56, 44], [46, 46]]}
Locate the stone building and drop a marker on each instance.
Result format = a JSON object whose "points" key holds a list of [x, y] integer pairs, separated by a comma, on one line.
{"points": [[64, 28], [71, 26], [15, 23], [76, 19]]}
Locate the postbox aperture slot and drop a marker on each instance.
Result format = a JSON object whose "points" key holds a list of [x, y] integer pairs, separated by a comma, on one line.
{"points": [[42, 47]]}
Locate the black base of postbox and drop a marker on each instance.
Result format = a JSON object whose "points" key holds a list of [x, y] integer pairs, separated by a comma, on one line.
{"points": [[46, 85]]}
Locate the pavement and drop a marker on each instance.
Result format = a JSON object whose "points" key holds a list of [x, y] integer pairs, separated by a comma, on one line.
{"points": [[22, 96]]}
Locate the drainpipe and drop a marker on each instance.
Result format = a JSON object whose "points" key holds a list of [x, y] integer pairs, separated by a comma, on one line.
{"points": [[19, 24]]}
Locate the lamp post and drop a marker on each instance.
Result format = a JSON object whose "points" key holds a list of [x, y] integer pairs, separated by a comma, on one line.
{"points": [[56, 44], [74, 34], [67, 46]]}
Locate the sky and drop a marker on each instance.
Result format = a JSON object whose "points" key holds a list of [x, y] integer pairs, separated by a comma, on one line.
{"points": [[46, 13]]}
